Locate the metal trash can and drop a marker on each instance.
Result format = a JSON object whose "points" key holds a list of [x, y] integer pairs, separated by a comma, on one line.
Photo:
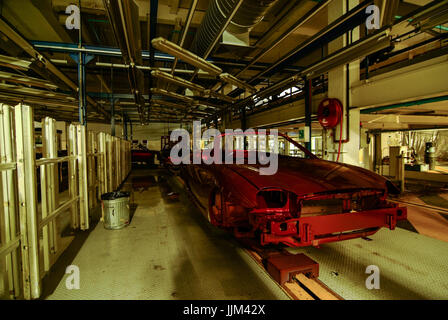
{"points": [[430, 155], [116, 211]]}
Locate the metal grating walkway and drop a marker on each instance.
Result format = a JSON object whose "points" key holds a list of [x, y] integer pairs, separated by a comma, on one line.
{"points": [[412, 266], [168, 251]]}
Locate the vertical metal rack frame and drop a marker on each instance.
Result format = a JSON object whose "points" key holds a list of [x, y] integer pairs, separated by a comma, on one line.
{"points": [[29, 231]]}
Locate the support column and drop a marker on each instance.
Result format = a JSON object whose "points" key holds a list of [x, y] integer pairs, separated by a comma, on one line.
{"points": [[154, 5], [8, 182], [49, 190], [26, 185], [125, 127], [340, 80], [82, 60], [83, 185], [378, 153], [82, 89], [243, 118], [216, 122], [308, 106], [73, 174], [112, 104]]}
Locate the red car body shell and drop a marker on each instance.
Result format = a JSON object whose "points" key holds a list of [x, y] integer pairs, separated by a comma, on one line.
{"points": [[230, 195]]}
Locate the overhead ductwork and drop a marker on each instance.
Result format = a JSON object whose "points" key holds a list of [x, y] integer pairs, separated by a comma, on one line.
{"points": [[248, 14]]}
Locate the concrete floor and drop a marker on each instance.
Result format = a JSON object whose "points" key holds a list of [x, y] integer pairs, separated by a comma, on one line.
{"points": [[412, 266], [168, 251]]}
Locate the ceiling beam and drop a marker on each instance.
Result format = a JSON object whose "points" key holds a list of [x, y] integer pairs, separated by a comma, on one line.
{"points": [[29, 49]]}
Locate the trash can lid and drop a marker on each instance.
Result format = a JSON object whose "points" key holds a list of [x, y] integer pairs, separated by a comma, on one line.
{"points": [[114, 195]]}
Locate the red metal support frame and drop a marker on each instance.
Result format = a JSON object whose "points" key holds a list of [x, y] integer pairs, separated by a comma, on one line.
{"points": [[316, 230]]}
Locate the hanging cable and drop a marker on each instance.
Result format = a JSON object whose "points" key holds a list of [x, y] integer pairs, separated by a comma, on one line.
{"points": [[341, 119]]}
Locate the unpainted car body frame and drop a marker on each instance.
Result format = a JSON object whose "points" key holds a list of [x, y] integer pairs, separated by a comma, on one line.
{"points": [[307, 202]]}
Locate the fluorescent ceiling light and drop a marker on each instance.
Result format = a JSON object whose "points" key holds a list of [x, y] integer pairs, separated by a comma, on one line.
{"points": [[172, 95], [163, 103], [185, 55], [14, 62], [10, 77], [211, 93], [226, 77], [177, 80]]}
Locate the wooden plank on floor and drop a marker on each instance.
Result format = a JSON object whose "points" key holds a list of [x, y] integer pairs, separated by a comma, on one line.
{"points": [[321, 292], [296, 291]]}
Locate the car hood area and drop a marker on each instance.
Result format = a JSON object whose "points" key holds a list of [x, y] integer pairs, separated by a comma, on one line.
{"points": [[308, 176]]}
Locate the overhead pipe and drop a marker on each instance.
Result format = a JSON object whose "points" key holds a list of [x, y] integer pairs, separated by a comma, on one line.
{"points": [[154, 5], [29, 49], [278, 22], [116, 52], [152, 25], [188, 20], [219, 16], [234, 15], [249, 14], [190, 14], [122, 15], [165, 70], [316, 9], [429, 16], [360, 48], [325, 33], [363, 47]]}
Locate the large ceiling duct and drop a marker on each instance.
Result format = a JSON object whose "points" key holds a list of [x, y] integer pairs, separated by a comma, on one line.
{"points": [[247, 15], [250, 13], [215, 17]]}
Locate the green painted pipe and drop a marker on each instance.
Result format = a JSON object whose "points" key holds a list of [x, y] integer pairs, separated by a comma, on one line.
{"points": [[437, 27], [404, 104]]}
